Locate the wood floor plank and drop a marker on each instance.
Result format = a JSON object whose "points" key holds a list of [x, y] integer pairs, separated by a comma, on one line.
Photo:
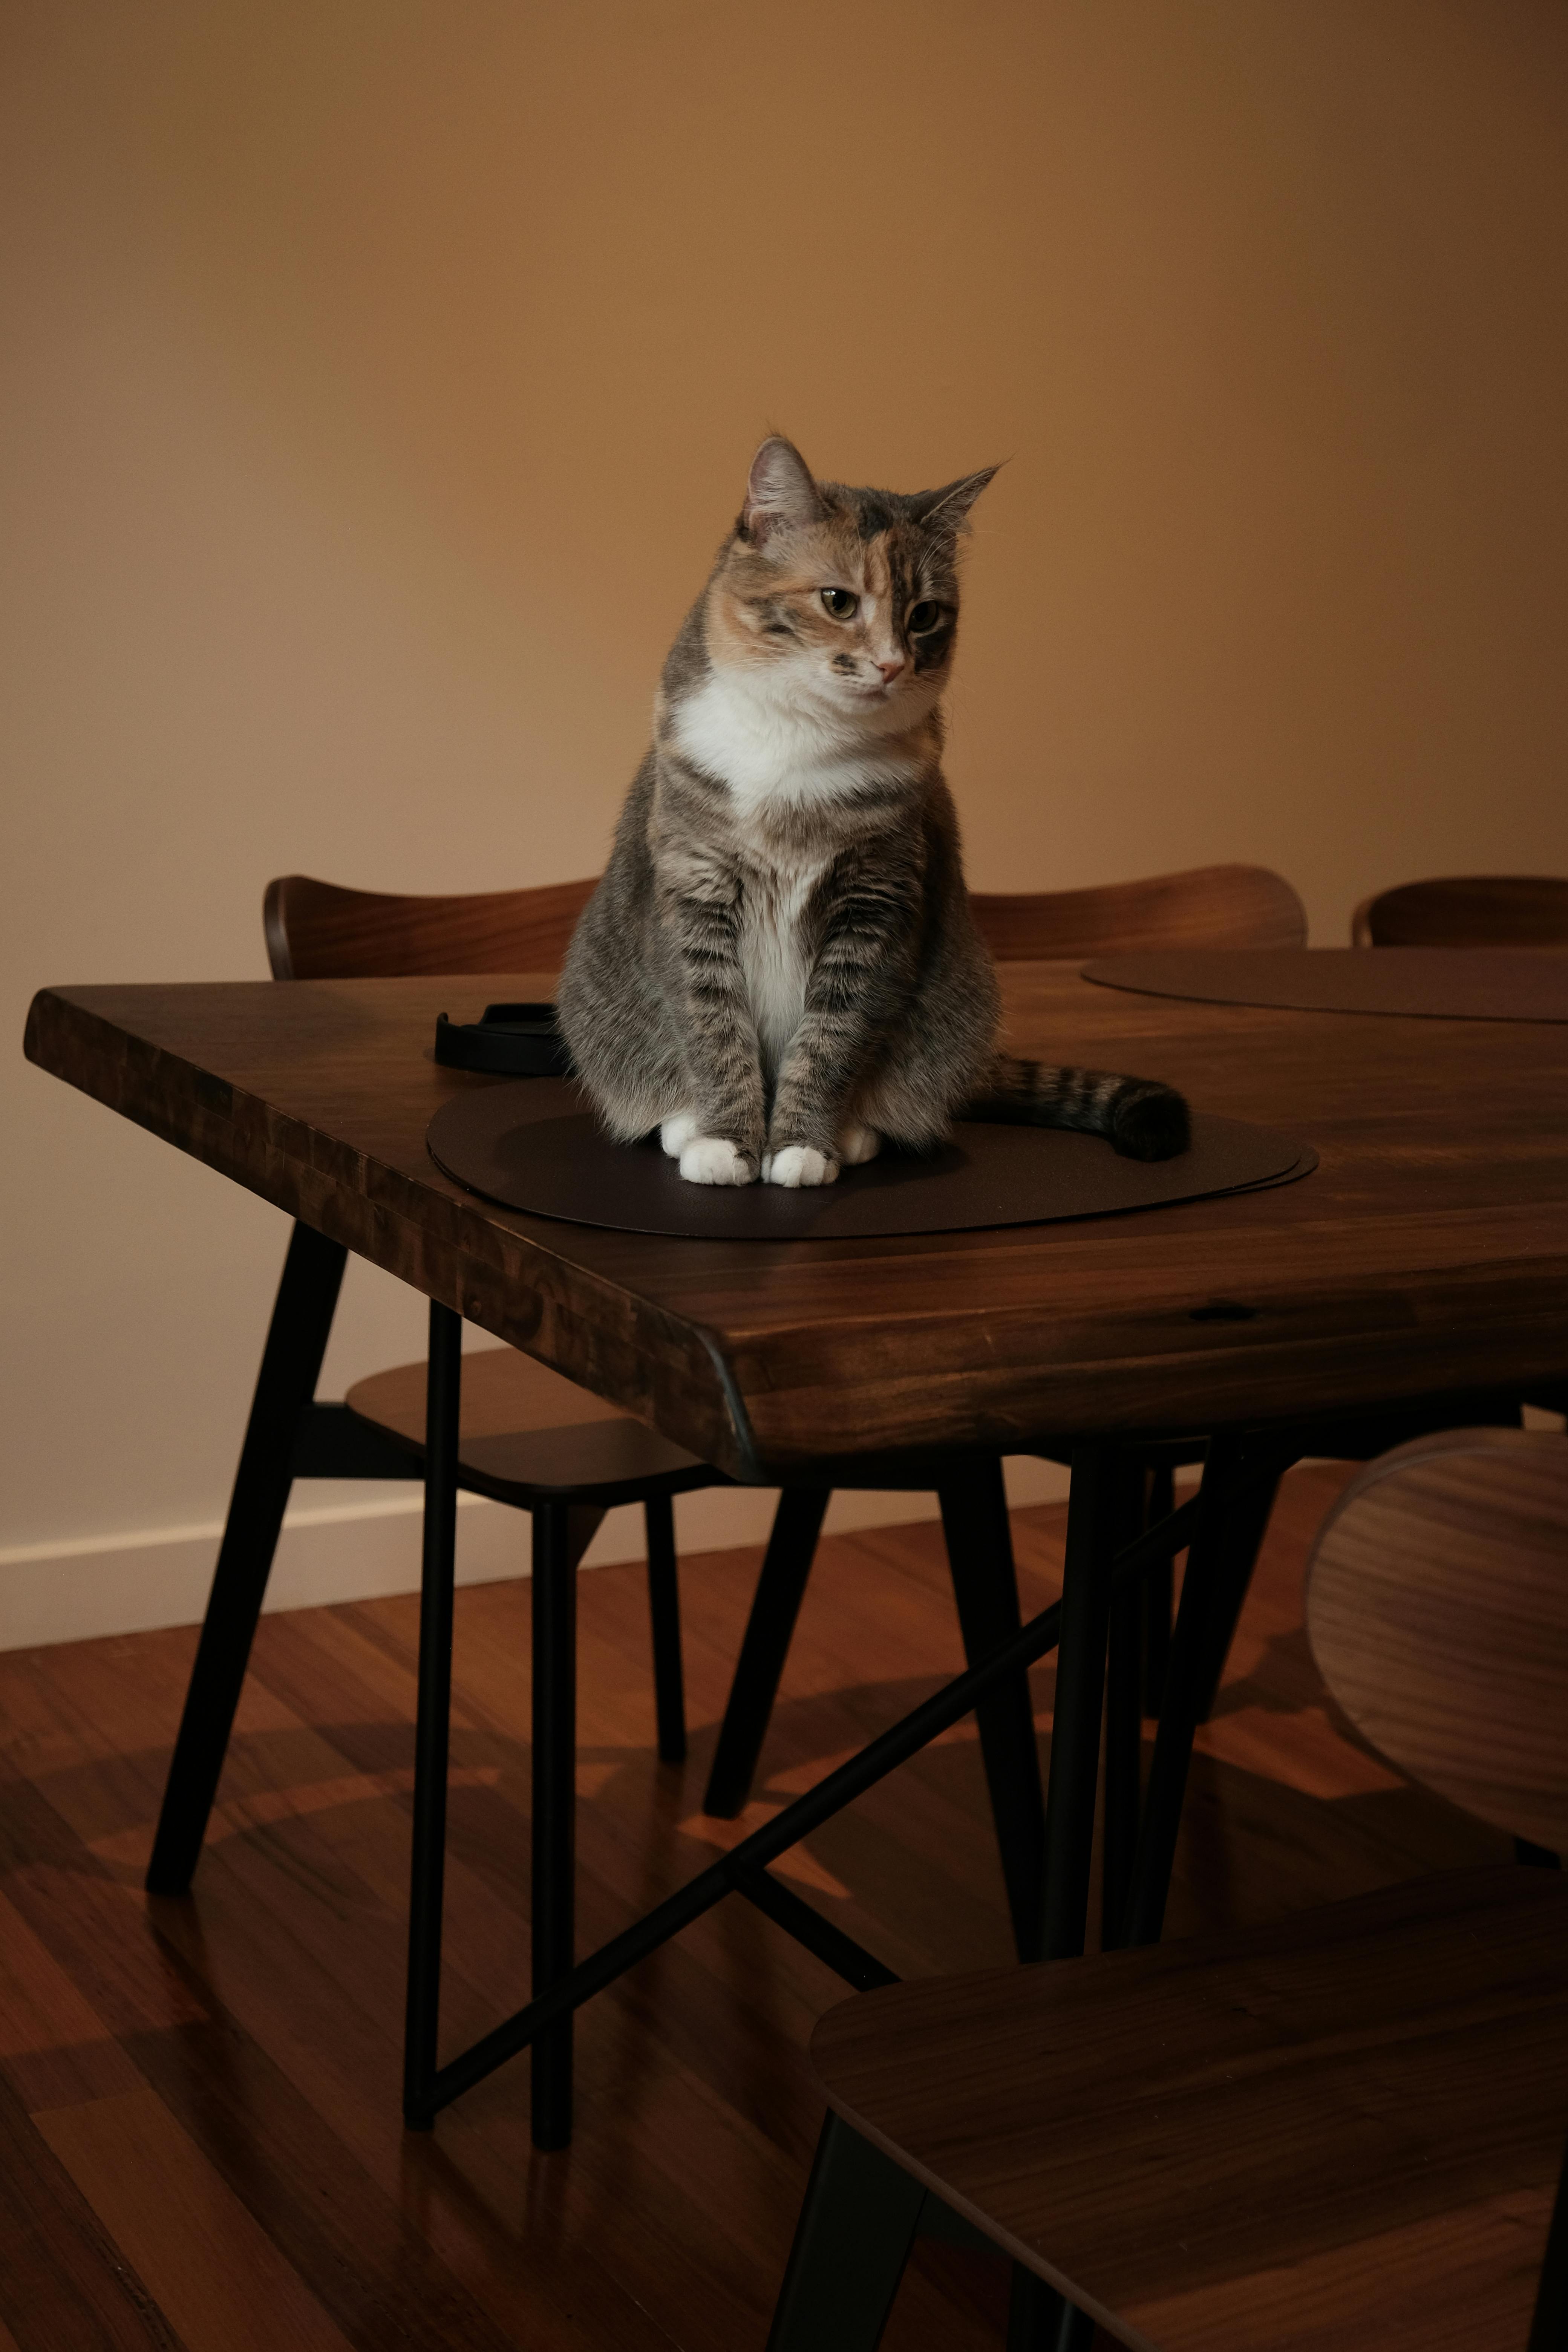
{"points": [[94, 1926], [54, 2046], [263, 2014], [65, 2284], [214, 2270]]}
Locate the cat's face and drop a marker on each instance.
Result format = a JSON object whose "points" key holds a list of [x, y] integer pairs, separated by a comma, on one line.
{"points": [[841, 600]]}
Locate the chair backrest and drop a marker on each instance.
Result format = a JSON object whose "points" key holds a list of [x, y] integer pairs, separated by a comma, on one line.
{"points": [[1211, 907], [1467, 910], [1437, 1612], [317, 930]]}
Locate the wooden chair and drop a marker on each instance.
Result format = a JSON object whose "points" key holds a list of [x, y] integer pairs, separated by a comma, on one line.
{"points": [[1341, 2131], [1473, 910], [527, 1438], [1470, 910], [1206, 907], [1210, 906]]}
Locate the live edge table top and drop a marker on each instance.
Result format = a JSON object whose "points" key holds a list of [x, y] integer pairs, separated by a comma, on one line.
{"points": [[1427, 1253]]}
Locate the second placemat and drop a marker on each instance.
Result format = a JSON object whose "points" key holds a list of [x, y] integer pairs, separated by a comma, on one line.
{"points": [[1415, 983]]}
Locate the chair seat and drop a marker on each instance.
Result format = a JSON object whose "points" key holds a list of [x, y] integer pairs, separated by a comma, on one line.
{"points": [[525, 1431], [1343, 2130]]}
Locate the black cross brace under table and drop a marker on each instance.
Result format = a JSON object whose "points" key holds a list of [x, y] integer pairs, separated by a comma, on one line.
{"points": [[744, 1869]]}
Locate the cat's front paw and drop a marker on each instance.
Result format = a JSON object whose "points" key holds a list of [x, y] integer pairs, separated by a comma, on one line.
{"points": [[713, 1160], [856, 1144], [798, 1165], [676, 1133]]}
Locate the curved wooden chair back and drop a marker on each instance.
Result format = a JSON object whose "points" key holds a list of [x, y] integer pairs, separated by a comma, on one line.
{"points": [[1437, 1612], [1211, 907], [1468, 910], [317, 930]]}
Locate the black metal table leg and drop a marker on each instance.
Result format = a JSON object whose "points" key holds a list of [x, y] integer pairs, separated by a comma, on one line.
{"points": [[664, 1616], [554, 1807], [1159, 1595], [1123, 1714], [737, 1871], [291, 1365], [985, 1587], [786, 1565], [1240, 1477], [443, 1396], [1080, 1693], [1234, 1546]]}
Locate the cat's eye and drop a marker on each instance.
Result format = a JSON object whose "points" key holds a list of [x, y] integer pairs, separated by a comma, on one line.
{"points": [[840, 602], [923, 618]]}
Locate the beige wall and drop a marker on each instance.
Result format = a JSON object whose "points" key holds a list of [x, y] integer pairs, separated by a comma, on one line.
{"points": [[380, 377]]}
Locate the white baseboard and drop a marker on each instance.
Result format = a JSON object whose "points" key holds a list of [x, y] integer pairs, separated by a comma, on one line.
{"points": [[71, 1591]]}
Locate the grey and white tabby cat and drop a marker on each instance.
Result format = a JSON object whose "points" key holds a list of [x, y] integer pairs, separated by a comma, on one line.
{"points": [[779, 969]]}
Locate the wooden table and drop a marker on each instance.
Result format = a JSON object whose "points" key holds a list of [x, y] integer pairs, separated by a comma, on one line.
{"points": [[1428, 1253], [1428, 1256]]}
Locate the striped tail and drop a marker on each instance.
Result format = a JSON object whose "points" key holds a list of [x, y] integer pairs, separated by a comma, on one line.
{"points": [[1140, 1117]]}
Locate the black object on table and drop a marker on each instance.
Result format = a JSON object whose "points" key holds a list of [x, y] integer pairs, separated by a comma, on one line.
{"points": [[508, 1041]]}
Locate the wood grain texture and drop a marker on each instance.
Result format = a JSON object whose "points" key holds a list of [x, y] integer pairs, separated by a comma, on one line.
{"points": [[320, 931], [213, 2273], [65, 2285], [1427, 1254], [1437, 1610], [1343, 2130], [502, 1393], [1467, 910], [1207, 907], [274, 2045]]}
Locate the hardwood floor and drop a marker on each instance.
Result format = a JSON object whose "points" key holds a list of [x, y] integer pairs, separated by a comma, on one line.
{"points": [[200, 2143]]}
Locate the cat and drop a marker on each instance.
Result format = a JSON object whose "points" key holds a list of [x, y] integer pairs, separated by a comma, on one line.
{"points": [[779, 969]]}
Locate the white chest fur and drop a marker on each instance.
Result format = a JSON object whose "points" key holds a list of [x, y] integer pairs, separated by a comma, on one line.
{"points": [[773, 746], [773, 957], [770, 744]]}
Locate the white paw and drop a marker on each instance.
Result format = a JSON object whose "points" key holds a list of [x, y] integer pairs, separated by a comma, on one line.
{"points": [[710, 1160], [856, 1144], [677, 1132], [799, 1164]]}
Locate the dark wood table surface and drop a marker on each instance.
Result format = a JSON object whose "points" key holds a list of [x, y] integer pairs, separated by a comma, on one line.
{"points": [[1429, 1252]]}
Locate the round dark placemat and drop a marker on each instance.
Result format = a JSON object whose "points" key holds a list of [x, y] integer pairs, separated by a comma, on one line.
{"points": [[504, 1142], [1417, 983]]}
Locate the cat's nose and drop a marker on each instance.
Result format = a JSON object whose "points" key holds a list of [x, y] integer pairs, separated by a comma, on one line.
{"points": [[891, 669]]}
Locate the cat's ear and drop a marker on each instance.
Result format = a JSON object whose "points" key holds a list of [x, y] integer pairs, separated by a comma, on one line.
{"points": [[947, 509], [779, 491]]}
